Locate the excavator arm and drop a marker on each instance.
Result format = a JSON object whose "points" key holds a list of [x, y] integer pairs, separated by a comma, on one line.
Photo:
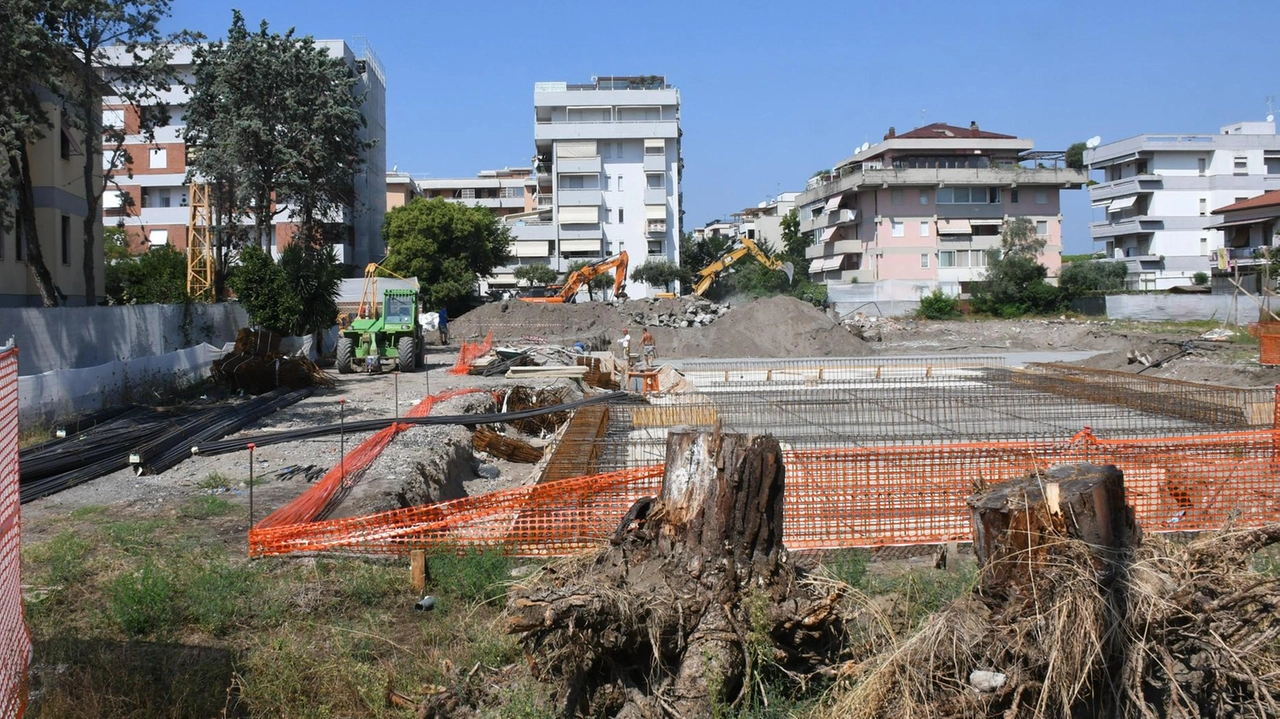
{"points": [[583, 275], [709, 273]]}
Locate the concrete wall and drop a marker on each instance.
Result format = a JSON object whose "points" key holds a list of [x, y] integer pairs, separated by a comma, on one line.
{"points": [[75, 337], [1177, 308]]}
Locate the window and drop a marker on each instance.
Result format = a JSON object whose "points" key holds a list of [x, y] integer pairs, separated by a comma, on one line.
{"points": [[158, 237], [651, 148], [1042, 228], [617, 150], [896, 226], [1204, 246], [619, 215], [113, 119], [618, 183], [579, 182], [1241, 166], [606, 150], [924, 228], [1200, 166], [1204, 206], [656, 181], [66, 240], [1013, 196], [895, 197], [946, 258], [513, 193], [924, 197], [165, 198], [159, 158], [924, 260], [968, 195], [608, 216], [64, 145], [1241, 199], [608, 180], [1042, 197], [468, 193]]}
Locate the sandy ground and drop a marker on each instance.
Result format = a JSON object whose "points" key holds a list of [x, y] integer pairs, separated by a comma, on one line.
{"points": [[779, 327]]}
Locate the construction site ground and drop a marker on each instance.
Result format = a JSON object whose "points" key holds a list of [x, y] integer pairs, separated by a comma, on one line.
{"points": [[125, 574]]}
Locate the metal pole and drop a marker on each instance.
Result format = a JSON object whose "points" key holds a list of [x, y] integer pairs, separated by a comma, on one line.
{"points": [[397, 394], [251, 447], [342, 438]]}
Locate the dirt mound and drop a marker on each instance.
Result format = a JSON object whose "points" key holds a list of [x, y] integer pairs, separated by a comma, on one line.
{"points": [[770, 327]]}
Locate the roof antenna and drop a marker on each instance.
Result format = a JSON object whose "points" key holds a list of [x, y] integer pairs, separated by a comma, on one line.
{"points": [[1271, 110], [922, 123]]}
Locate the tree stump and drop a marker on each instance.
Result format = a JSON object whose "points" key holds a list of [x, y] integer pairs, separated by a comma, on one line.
{"points": [[695, 590], [1017, 524]]}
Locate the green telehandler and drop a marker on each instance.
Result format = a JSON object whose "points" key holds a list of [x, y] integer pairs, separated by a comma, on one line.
{"points": [[381, 331]]}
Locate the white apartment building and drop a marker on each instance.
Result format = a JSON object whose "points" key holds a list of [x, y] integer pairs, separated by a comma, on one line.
{"points": [[156, 180], [1156, 194], [608, 167]]}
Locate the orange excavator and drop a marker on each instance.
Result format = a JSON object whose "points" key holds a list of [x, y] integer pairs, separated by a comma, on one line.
{"points": [[559, 294]]}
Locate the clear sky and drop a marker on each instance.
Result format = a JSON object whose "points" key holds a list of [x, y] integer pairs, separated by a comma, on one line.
{"points": [[771, 92]]}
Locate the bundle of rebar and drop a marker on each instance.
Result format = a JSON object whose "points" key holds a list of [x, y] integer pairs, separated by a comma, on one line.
{"points": [[152, 440], [504, 447]]}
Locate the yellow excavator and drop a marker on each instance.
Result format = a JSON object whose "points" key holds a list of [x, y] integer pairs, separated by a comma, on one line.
{"points": [[745, 246], [559, 294]]}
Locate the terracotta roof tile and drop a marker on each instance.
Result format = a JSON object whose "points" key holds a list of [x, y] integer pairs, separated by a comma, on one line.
{"points": [[1267, 199], [941, 130]]}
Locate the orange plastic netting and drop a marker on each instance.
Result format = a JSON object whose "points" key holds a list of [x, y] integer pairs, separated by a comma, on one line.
{"points": [[317, 498], [15, 642], [841, 497], [469, 353]]}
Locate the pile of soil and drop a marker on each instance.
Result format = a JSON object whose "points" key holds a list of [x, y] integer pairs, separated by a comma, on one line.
{"points": [[769, 327]]}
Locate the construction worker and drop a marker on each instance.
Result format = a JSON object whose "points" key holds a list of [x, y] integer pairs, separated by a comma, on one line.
{"points": [[625, 341], [444, 327], [648, 349]]}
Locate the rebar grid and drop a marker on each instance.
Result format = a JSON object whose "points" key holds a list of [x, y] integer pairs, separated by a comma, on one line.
{"points": [[713, 375]]}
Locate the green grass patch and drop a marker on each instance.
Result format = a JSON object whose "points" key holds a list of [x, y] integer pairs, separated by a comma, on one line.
{"points": [[470, 575], [917, 593], [133, 536], [205, 507], [215, 481], [217, 596], [90, 510], [62, 559], [142, 603], [847, 565]]}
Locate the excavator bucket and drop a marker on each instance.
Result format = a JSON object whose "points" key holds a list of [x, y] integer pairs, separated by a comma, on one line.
{"points": [[790, 269]]}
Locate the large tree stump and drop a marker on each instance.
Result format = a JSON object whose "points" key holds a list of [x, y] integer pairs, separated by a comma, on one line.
{"points": [[1017, 524], [670, 619]]}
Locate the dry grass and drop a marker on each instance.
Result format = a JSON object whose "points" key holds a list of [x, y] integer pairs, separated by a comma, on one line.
{"points": [[1188, 630]]}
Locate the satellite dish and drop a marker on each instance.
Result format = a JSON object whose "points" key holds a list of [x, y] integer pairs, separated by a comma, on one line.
{"points": [[1093, 142], [865, 147], [1271, 118]]}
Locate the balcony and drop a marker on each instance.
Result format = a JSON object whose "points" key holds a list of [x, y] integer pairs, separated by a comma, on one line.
{"points": [[533, 231], [605, 130], [581, 232], [580, 198], [588, 245], [1125, 226], [839, 247], [580, 165], [655, 195], [655, 163], [173, 215], [840, 217], [863, 177], [1127, 186], [540, 248], [656, 227]]}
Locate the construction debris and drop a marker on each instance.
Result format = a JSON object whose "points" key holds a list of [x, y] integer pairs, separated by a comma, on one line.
{"points": [[694, 313], [521, 399], [504, 447], [257, 366]]}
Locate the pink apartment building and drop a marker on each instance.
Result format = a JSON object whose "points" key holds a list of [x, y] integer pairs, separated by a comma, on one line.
{"points": [[920, 210]]}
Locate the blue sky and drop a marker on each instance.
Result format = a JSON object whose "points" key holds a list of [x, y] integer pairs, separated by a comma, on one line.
{"points": [[772, 92]]}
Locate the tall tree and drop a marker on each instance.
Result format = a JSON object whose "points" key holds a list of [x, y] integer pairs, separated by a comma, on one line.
{"points": [[26, 70], [1019, 238], [793, 243], [115, 48], [273, 123], [446, 245]]}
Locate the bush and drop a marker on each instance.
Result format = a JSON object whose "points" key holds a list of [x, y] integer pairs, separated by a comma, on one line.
{"points": [[1200, 278], [938, 305], [156, 276], [1080, 278], [297, 295], [1015, 286]]}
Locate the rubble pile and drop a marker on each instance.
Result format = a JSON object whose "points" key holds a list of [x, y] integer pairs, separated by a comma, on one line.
{"points": [[697, 313]]}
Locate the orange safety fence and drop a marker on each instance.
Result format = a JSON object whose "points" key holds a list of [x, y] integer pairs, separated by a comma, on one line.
{"points": [[842, 497], [469, 353], [311, 503], [15, 642]]}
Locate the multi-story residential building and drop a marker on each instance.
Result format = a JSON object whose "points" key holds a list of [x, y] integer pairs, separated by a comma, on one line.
{"points": [[763, 223], [401, 189], [506, 192], [608, 166], [1156, 192], [57, 176], [920, 210], [155, 180]]}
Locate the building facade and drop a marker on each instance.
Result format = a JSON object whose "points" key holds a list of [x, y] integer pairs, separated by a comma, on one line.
{"points": [[507, 191], [401, 189], [57, 176], [607, 166], [150, 197], [1156, 192], [919, 211]]}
